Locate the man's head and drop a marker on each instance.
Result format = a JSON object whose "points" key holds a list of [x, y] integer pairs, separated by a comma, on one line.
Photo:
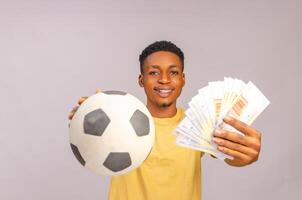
{"points": [[162, 76], [160, 46]]}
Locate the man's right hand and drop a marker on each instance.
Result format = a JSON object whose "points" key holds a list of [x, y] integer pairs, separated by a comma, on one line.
{"points": [[74, 110], [80, 101]]}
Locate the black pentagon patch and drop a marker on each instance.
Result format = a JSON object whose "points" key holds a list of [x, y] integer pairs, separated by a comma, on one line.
{"points": [[115, 92], [77, 154], [140, 123], [117, 161], [96, 122]]}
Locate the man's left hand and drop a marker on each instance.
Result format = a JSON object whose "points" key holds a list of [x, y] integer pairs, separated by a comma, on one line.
{"points": [[244, 149]]}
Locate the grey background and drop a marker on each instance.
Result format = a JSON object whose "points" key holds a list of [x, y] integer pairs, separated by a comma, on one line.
{"points": [[54, 51]]}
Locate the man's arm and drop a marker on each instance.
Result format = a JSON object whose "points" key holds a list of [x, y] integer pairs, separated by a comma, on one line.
{"points": [[245, 149]]}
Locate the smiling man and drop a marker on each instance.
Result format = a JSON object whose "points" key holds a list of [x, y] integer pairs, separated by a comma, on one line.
{"points": [[162, 78], [171, 171]]}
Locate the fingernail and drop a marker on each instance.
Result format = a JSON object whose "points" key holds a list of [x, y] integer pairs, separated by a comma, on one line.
{"points": [[218, 132], [216, 140], [227, 118], [220, 148]]}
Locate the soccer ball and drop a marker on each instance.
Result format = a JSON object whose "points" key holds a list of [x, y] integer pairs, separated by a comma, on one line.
{"points": [[111, 133]]}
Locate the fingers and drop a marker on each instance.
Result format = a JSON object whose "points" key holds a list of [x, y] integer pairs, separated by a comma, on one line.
{"points": [[81, 100], [235, 154], [72, 112], [245, 149], [236, 147], [251, 142], [242, 127], [235, 137]]}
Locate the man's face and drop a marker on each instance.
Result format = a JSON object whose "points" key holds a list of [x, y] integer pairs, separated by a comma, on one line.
{"points": [[162, 78]]}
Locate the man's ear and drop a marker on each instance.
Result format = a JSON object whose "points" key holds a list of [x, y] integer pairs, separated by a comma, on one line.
{"points": [[140, 80]]}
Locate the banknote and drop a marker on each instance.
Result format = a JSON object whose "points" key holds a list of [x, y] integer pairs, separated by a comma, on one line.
{"points": [[201, 145], [230, 97], [246, 107]]}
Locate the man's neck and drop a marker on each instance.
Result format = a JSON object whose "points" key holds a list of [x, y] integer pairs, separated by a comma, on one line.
{"points": [[162, 112]]}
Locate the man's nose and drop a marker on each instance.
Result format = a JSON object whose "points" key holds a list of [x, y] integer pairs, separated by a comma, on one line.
{"points": [[164, 79]]}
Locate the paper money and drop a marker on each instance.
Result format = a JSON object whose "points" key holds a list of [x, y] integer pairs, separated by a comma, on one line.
{"points": [[230, 97]]}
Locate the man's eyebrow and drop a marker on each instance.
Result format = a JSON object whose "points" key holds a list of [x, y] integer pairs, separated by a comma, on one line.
{"points": [[157, 67], [172, 66], [154, 66]]}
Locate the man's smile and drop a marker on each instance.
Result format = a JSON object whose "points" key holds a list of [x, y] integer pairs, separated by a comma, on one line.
{"points": [[163, 92]]}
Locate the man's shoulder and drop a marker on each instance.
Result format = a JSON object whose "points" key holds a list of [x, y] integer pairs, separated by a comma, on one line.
{"points": [[181, 112]]}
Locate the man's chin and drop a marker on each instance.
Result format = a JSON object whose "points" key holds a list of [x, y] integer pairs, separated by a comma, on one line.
{"points": [[165, 105]]}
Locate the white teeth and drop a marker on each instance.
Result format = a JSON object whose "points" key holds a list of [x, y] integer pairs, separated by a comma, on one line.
{"points": [[164, 91]]}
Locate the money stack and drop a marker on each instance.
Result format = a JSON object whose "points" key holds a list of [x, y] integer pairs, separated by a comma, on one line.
{"points": [[230, 97]]}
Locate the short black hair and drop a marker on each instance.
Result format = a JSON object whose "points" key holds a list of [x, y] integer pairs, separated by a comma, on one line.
{"points": [[161, 46]]}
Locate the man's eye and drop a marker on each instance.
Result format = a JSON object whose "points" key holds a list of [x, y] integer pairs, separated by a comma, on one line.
{"points": [[174, 72], [153, 73]]}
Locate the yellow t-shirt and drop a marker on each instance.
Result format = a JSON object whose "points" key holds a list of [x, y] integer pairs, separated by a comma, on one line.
{"points": [[170, 172]]}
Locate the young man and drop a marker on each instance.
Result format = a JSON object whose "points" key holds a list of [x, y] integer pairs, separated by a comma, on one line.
{"points": [[171, 171]]}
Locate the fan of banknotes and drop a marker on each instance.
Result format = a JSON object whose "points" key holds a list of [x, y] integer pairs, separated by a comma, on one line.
{"points": [[230, 97]]}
